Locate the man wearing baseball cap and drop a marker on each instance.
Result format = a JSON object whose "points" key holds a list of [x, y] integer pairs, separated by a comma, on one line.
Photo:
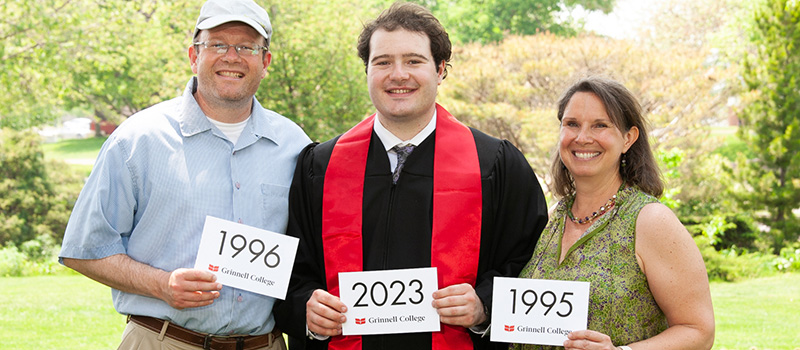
{"points": [[214, 151]]}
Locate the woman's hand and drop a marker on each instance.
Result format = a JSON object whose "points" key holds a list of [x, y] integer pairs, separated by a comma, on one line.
{"points": [[588, 340]]}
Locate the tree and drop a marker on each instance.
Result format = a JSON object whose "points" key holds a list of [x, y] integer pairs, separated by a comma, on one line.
{"points": [[697, 24], [770, 121], [510, 89], [116, 57], [316, 77], [112, 57], [698, 186], [128, 56], [491, 20], [31, 33]]}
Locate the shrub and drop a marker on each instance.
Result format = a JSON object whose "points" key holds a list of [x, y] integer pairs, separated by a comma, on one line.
{"points": [[36, 197], [12, 261], [36, 258], [734, 264], [789, 259]]}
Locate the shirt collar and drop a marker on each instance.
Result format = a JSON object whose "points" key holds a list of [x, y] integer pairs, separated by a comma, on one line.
{"points": [[389, 140], [193, 121]]}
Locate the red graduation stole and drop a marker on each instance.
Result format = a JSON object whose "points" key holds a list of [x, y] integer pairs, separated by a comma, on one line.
{"points": [[457, 204]]}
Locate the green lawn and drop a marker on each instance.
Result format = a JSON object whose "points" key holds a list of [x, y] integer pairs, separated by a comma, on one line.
{"points": [[79, 154], [758, 314], [73, 312], [57, 312], [74, 149]]}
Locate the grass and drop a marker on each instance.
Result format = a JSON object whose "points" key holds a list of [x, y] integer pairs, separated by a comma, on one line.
{"points": [[74, 312], [79, 154], [57, 312], [758, 314], [74, 149]]}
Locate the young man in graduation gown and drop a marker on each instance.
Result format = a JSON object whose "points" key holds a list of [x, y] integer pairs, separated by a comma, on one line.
{"points": [[461, 201]]}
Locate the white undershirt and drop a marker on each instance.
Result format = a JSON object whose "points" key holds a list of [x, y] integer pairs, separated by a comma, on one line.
{"points": [[389, 140], [231, 130]]}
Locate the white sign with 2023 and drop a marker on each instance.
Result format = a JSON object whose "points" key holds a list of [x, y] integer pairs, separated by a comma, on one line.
{"points": [[389, 301], [247, 257]]}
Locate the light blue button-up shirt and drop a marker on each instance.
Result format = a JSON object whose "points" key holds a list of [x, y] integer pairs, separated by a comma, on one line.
{"points": [[155, 180]]}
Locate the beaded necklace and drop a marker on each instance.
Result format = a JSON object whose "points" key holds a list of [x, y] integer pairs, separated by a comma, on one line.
{"points": [[603, 209]]}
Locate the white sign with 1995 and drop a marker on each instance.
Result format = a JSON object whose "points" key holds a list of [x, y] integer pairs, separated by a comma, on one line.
{"points": [[535, 311], [247, 257]]}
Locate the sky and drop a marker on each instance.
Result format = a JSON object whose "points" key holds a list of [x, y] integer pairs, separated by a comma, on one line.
{"points": [[623, 21]]}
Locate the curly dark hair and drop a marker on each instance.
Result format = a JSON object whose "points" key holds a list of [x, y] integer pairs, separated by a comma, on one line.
{"points": [[625, 112], [414, 18]]}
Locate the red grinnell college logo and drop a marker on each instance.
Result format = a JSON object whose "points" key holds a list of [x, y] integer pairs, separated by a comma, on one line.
{"points": [[361, 321], [213, 268], [509, 328]]}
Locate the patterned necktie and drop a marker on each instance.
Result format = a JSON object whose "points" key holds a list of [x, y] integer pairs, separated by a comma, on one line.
{"points": [[402, 154]]}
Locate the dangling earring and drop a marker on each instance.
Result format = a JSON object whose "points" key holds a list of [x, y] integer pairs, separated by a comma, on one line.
{"points": [[624, 160]]}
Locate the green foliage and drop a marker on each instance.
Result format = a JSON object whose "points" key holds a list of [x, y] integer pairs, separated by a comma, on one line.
{"points": [[789, 259], [734, 146], [30, 35], [669, 163], [112, 57], [35, 258], [707, 210], [770, 122], [12, 261], [116, 57], [492, 20], [510, 89], [316, 77], [715, 228], [35, 202], [127, 55], [732, 264]]}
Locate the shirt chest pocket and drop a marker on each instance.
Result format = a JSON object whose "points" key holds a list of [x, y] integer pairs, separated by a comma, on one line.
{"points": [[275, 207]]}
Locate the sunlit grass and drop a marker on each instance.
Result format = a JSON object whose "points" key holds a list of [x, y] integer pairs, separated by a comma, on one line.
{"points": [[74, 312], [758, 314], [57, 312], [79, 154], [74, 149]]}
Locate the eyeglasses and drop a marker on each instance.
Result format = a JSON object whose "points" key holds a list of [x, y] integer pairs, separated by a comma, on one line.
{"points": [[221, 49]]}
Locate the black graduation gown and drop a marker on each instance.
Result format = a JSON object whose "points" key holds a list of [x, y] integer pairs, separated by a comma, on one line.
{"points": [[397, 223]]}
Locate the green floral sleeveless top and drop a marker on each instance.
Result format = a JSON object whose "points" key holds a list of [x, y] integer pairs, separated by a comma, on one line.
{"points": [[620, 302]]}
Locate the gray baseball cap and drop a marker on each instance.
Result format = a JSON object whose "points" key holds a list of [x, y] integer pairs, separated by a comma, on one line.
{"points": [[216, 12]]}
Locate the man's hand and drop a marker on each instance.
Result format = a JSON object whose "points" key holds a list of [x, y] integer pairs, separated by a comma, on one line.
{"points": [[325, 313], [458, 305], [188, 288], [182, 288]]}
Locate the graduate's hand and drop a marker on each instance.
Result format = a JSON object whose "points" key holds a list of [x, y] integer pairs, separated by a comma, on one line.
{"points": [[325, 313], [187, 288], [458, 305], [586, 339]]}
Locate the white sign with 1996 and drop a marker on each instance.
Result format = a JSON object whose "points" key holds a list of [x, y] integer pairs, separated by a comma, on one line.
{"points": [[389, 301], [535, 311], [247, 257]]}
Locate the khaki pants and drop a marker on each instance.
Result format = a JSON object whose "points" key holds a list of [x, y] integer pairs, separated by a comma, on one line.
{"points": [[136, 337]]}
